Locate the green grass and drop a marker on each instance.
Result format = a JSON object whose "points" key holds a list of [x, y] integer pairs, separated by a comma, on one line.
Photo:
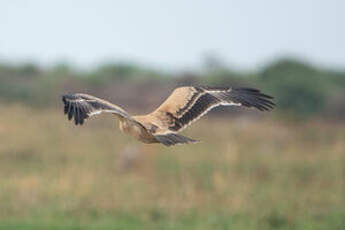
{"points": [[245, 174], [157, 220]]}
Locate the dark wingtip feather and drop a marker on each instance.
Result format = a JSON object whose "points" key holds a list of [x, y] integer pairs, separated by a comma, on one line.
{"points": [[250, 97], [65, 110], [73, 110], [76, 116], [70, 111], [66, 104], [248, 89]]}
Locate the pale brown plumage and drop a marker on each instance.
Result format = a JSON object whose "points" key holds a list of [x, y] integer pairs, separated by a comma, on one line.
{"points": [[184, 106]]}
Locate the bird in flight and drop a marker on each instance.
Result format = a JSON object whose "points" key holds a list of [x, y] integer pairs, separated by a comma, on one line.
{"points": [[183, 107]]}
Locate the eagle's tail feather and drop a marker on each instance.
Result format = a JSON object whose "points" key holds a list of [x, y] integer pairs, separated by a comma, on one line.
{"points": [[173, 139]]}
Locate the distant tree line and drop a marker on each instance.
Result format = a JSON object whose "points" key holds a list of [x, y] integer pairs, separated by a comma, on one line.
{"points": [[300, 89]]}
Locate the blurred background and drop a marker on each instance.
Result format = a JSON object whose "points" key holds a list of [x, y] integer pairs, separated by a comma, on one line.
{"points": [[283, 169]]}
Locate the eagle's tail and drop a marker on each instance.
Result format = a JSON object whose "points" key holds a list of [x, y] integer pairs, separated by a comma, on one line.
{"points": [[173, 139]]}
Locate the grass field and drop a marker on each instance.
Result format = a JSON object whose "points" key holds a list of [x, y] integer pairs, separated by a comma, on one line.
{"points": [[245, 174]]}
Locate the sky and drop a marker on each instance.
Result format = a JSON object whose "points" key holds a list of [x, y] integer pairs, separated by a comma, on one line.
{"points": [[172, 34]]}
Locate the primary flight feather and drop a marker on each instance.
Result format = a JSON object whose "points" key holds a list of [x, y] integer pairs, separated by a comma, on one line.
{"points": [[183, 107]]}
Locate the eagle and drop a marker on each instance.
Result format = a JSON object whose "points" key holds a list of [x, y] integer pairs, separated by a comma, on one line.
{"points": [[184, 106]]}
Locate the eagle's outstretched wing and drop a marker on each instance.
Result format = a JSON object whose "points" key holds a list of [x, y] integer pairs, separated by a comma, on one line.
{"points": [[187, 104], [82, 106]]}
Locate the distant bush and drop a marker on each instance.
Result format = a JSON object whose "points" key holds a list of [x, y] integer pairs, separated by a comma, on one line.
{"points": [[122, 72], [300, 88], [297, 87]]}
